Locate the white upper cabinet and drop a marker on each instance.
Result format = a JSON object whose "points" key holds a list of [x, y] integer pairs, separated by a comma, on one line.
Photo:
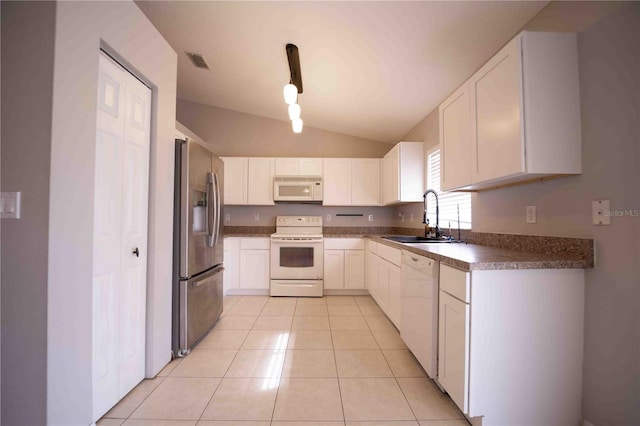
{"points": [[235, 180], [523, 116], [248, 181], [298, 166], [403, 173], [455, 139], [337, 182], [260, 182], [365, 182]]}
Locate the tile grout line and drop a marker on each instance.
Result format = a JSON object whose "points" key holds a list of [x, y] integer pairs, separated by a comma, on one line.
{"points": [[333, 346]]}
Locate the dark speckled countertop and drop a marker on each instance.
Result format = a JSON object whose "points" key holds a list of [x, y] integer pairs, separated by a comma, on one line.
{"points": [[470, 257], [494, 251]]}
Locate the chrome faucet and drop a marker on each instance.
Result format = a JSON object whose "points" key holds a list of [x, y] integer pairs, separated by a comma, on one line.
{"points": [[425, 220]]}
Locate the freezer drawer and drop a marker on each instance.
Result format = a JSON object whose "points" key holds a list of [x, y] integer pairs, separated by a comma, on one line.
{"points": [[200, 307]]}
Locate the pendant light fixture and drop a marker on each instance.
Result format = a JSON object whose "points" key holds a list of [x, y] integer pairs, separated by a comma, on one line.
{"points": [[293, 88], [294, 111]]}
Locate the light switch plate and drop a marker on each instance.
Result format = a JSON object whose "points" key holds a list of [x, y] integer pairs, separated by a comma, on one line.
{"points": [[328, 218], [10, 205], [227, 217], [370, 218], [601, 212], [256, 217]]}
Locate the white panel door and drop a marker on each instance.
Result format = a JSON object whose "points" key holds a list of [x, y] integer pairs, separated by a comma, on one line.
{"points": [[333, 269], [354, 269], [254, 269], [135, 195], [496, 94], [382, 289], [287, 166], [310, 166], [120, 234], [391, 176], [337, 181], [455, 140], [395, 295], [365, 182], [235, 180], [453, 349], [260, 189]]}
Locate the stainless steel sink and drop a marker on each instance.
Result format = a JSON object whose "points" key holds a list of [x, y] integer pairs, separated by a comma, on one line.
{"points": [[413, 239]]}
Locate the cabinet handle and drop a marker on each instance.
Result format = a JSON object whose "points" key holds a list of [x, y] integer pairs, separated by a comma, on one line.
{"points": [[136, 252]]}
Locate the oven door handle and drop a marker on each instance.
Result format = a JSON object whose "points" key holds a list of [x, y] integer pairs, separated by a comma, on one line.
{"points": [[300, 241]]}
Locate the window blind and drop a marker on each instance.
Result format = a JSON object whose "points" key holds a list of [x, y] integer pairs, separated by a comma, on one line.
{"points": [[449, 201]]}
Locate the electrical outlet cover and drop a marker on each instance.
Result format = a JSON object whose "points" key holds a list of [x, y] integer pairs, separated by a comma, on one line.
{"points": [[601, 211]]}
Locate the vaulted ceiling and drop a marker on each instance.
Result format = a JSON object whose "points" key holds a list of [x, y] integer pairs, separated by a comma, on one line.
{"points": [[369, 69]]}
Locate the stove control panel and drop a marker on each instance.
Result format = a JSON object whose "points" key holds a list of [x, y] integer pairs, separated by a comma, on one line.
{"points": [[299, 221]]}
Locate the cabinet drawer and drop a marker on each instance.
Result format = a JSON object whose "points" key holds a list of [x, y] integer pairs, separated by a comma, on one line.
{"points": [[390, 254], [455, 282], [344, 244], [255, 243]]}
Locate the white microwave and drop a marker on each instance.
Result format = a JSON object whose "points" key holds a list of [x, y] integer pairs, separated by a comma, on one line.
{"points": [[301, 189]]}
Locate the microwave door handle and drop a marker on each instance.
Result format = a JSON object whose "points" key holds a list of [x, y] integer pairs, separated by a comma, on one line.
{"points": [[218, 207], [210, 210]]}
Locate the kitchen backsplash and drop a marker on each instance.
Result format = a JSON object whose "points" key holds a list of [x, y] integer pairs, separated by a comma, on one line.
{"points": [[266, 215]]}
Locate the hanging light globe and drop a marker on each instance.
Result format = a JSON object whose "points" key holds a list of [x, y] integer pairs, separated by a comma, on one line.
{"points": [[297, 125], [290, 93], [294, 111]]}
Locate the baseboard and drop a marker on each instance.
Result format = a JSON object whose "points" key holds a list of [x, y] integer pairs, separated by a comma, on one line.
{"points": [[345, 292], [245, 292]]}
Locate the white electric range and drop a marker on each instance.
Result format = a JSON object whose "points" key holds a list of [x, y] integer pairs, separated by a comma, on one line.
{"points": [[297, 256]]}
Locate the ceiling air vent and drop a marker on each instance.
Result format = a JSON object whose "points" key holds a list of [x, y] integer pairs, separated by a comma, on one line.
{"points": [[198, 60]]}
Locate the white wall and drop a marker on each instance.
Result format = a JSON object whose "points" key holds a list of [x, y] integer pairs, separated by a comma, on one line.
{"points": [[27, 88], [81, 29]]}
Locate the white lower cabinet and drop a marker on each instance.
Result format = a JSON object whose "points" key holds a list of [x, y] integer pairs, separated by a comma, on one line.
{"points": [[453, 348], [344, 266], [247, 263], [511, 344], [384, 279], [231, 277]]}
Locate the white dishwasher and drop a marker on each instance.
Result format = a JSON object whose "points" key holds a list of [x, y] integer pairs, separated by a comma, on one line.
{"points": [[419, 325]]}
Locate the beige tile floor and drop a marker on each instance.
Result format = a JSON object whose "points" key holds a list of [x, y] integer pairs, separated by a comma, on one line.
{"points": [[292, 362]]}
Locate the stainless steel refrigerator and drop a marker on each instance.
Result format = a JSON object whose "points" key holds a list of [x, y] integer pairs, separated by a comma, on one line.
{"points": [[198, 244]]}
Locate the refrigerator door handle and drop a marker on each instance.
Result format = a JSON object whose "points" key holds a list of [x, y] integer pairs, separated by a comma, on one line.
{"points": [[211, 201], [218, 208], [204, 281]]}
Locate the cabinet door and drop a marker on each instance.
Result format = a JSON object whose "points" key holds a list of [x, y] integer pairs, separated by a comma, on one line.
{"points": [[365, 182], [496, 94], [286, 167], [333, 269], [260, 184], [390, 176], [310, 166], [382, 290], [372, 274], [410, 171], [395, 295], [354, 269], [453, 349], [337, 181], [254, 269], [231, 277], [235, 180], [455, 140]]}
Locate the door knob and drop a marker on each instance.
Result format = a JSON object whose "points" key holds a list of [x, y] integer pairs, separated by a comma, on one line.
{"points": [[136, 252]]}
